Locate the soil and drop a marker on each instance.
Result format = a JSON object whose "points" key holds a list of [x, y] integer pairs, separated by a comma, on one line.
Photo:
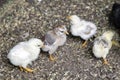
{"points": [[24, 19]]}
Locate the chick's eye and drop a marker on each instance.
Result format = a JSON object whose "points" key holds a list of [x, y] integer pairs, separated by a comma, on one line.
{"points": [[38, 45], [62, 31]]}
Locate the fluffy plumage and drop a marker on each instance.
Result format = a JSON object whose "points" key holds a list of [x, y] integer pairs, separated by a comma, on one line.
{"points": [[54, 39], [102, 45], [82, 28], [39, 0], [115, 15], [25, 52]]}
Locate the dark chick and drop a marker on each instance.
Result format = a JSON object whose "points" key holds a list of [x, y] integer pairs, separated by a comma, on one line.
{"points": [[115, 15]]}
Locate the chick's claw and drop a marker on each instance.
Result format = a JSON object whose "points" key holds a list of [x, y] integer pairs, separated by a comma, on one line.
{"points": [[28, 70], [52, 58], [84, 44]]}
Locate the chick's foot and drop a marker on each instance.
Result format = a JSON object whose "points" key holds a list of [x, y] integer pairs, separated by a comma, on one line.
{"points": [[105, 62], [84, 44], [51, 58], [28, 70]]}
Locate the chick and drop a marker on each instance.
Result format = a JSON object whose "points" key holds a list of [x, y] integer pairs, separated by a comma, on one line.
{"points": [[54, 39], [39, 0], [82, 28], [102, 45], [24, 53], [115, 15]]}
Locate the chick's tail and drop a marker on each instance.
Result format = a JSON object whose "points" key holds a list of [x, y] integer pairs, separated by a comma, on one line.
{"points": [[115, 43]]}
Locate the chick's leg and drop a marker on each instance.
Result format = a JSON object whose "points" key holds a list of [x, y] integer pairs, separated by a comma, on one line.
{"points": [[51, 57], [21, 68], [84, 44], [105, 61]]}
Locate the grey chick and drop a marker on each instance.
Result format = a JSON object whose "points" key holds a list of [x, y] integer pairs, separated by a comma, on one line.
{"points": [[54, 39]]}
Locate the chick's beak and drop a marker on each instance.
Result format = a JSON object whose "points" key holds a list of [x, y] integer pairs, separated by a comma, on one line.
{"points": [[68, 17], [43, 46], [66, 33]]}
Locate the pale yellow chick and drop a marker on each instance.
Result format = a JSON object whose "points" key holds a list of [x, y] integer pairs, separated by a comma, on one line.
{"points": [[102, 45]]}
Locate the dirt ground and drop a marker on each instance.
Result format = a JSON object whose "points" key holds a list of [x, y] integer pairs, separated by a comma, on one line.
{"points": [[21, 20]]}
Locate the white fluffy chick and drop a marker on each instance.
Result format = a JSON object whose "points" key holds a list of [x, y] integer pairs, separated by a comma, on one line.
{"points": [[54, 39], [102, 45], [82, 28], [24, 53]]}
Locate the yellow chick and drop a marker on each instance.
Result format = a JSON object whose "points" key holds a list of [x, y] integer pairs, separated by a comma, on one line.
{"points": [[82, 28], [24, 53], [102, 45]]}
